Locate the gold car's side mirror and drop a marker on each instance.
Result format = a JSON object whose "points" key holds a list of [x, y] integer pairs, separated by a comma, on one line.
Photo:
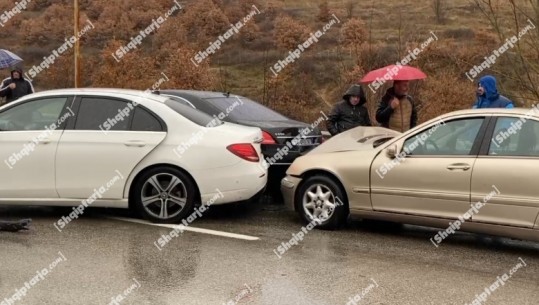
{"points": [[391, 152]]}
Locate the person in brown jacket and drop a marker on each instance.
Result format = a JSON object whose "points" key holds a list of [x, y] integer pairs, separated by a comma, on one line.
{"points": [[397, 109]]}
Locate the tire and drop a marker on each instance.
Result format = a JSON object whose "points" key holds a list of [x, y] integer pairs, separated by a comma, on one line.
{"points": [[169, 195], [330, 211]]}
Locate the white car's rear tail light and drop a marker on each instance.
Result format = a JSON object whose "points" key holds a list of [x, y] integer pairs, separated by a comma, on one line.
{"points": [[245, 151]]}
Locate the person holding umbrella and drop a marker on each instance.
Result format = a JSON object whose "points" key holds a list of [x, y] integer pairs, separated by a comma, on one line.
{"points": [[16, 86], [396, 110]]}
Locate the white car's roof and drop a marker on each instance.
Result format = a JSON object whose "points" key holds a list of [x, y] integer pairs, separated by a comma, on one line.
{"points": [[96, 91]]}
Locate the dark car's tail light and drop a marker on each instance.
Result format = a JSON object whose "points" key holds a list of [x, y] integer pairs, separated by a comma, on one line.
{"points": [[268, 139], [245, 151]]}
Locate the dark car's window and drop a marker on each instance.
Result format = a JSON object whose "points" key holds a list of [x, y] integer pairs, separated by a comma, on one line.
{"points": [[204, 106], [180, 100], [145, 121], [244, 109], [194, 115], [34, 115], [103, 114], [515, 137], [455, 137]]}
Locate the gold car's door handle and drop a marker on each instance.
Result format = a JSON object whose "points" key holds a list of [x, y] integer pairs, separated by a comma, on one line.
{"points": [[461, 166], [42, 141]]}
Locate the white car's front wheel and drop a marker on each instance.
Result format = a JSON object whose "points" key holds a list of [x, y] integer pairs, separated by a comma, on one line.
{"points": [[321, 200], [164, 195]]}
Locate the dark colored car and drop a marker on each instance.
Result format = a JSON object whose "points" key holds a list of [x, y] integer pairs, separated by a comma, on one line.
{"points": [[278, 130]]}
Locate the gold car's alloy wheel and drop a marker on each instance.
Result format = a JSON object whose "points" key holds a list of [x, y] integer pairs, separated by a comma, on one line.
{"points": [[163, 196], [319, 202]]}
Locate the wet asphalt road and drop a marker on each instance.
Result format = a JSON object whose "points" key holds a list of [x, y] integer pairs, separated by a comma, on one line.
{"points": [[98, 258]]}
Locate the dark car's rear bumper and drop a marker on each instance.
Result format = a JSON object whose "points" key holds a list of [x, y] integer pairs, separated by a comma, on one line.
{"points": [[276, 154]]}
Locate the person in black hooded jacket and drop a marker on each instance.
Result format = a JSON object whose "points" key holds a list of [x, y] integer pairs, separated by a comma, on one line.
{"points": [[350, 112], [16, 86]]}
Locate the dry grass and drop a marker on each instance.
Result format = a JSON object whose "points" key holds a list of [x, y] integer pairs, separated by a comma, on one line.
{"points": [[318, 79]]}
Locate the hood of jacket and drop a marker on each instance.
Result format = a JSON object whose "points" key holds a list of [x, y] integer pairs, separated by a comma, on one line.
{"points": [[488, 82], [17, 70], [355, 90]]}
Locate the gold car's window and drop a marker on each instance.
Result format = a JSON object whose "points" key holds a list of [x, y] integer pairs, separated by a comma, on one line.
{"points": [[446, 138], [515, 137]]}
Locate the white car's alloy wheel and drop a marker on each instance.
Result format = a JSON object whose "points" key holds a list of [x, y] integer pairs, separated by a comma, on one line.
{"points": [[164, 194]]}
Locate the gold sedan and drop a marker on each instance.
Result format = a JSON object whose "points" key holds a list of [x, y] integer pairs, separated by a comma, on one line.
{"points": [[471, 170]]}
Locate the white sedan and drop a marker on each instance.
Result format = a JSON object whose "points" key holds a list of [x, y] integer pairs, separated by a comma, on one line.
{"points": [[124, 149]]}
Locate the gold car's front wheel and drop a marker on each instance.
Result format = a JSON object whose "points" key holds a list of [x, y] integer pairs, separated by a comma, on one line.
{"points": [[321, 202]]}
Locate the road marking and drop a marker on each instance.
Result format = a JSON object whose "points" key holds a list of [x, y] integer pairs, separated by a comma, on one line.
{"points": [[189, 228]]}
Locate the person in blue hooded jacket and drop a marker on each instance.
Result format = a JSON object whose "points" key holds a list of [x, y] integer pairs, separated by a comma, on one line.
{"points": [[488, 96]]}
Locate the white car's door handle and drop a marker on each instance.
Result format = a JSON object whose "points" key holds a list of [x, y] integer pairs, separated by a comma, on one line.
{"points": [[135, 143], [462, 166]]}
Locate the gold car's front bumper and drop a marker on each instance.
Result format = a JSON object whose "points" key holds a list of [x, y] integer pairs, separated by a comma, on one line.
{"points": [[289, 184]]}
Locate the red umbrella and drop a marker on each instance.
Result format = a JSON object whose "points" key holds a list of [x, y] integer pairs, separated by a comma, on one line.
{"points": [[393, 72]]}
